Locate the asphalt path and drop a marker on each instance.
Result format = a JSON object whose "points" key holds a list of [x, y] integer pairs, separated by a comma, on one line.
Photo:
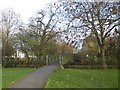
{"points": [[36, 79]]}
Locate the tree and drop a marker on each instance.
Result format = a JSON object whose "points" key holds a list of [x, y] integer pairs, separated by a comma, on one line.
{"points": [[40, 31], [91, 47], [99, 17], [113, 47], [118, 47], [9, 24], [22, 44]]}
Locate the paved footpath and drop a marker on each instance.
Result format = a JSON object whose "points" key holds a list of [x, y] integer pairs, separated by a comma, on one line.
{"points": [[36, 79]]}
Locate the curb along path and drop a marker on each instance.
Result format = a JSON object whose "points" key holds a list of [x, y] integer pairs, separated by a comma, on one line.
{"points": [[36, 79]]}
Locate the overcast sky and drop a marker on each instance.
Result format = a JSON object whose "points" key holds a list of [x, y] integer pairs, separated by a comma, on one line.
{"points": [[26, 8]]}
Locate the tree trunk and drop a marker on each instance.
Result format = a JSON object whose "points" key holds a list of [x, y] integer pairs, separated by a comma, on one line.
{"points": [[103, 61], [27, 58], [60, 61], [36, 66]]}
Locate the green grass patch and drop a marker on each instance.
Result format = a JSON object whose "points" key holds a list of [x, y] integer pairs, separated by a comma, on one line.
{"points": [[0, 77], [84, 78], [11, 75]]}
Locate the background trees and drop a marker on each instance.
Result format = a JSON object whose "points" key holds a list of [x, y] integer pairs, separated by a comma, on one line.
{"points": [[9, 24], [63, 27]]}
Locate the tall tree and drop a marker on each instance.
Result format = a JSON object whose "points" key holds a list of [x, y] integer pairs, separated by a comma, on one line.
{"points": [[99, 17], [9, 23], [41, 29]]}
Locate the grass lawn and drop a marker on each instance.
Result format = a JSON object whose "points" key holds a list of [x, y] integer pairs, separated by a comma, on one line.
{"points": [[0, 77], [84, 78], [11, 75]]}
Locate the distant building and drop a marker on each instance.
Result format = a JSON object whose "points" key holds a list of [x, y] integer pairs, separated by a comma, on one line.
{"points": [[20, 54]]}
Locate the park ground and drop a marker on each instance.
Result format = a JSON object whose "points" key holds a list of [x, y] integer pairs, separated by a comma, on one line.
{"points": [[67, 78], [84, 78], [11, 75], [0, 77]]}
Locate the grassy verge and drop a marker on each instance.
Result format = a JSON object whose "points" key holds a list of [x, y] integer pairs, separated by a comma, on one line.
{"points": [[11, 75], [84, 78], [0, 77]]}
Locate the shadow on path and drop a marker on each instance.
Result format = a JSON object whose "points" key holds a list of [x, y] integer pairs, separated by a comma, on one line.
{"points": [[36, 79]]}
